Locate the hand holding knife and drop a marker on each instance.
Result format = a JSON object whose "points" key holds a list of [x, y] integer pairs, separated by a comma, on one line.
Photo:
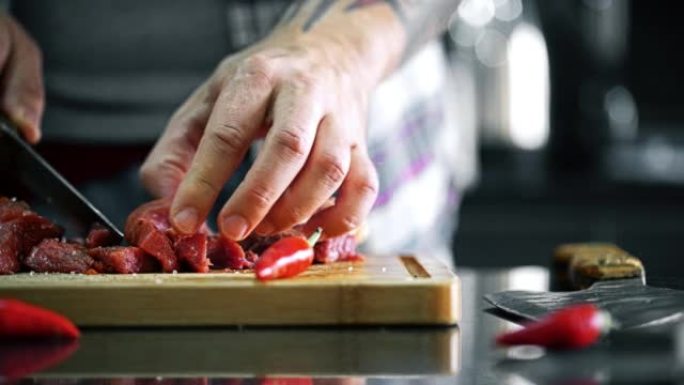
{"points": [[20, 164]]}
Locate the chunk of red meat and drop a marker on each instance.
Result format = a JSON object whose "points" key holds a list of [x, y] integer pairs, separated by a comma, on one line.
{"points": [[157, 244], [154, 212], [11, 209], [100, 236], [122, 260], [259, 243], [191, 251], [32, 229], [147, 226], [54, 256], [10, 246], [227, 254], [341, 248]]}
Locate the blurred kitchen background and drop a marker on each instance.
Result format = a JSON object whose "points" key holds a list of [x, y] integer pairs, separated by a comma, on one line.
{"points": [[578, 111]]}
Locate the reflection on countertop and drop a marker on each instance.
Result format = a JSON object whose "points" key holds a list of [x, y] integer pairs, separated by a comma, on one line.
{"points": [[407, 355]]}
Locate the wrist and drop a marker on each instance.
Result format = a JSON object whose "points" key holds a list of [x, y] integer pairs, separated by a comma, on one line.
{"points": [[369, 45]]}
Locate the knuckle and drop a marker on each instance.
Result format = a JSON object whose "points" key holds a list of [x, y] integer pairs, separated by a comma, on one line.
{"points": [[261, 197], [333, 169], [229, 138], [205, 184], [292, 216], [291, 143], [304, 80], [350, 222], [258, 68], [368, 186], [32, 93]]}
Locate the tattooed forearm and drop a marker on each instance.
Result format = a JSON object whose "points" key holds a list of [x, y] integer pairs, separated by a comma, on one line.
{"points": [[422, 19], [365, 3], [318, 12], [306, 14]]}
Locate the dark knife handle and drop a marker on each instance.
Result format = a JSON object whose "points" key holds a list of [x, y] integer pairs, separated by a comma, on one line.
{"points": [[579, 265]]}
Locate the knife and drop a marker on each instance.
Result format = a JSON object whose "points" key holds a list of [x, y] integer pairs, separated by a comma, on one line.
{"points": [[21, 168], [608, 277]]}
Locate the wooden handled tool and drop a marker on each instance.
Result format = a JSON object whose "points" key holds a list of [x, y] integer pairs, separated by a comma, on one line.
{"points": [[580, 265]]}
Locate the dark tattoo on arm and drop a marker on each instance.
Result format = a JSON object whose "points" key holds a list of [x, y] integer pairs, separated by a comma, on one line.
{"points": [[395, 4], [290, 13], [311, 11], [422, 19], [317, 14]]}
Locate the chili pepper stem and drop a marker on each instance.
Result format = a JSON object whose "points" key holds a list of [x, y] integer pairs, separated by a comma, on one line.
{"points": [[315, 236], [605, 322]]}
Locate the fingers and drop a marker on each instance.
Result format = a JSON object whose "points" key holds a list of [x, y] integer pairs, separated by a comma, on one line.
{"points": [[321, 176], [355, 200], [22, 95], [170, 159], [296, 114], [236, 116]]}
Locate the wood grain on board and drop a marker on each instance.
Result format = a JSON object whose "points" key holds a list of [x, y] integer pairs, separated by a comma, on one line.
{"points": [[399, 290]]}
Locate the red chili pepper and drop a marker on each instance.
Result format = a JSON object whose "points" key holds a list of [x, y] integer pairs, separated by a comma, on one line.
{"points": [[21, 359], [574, 327], [287, 257], [287, 381], [21, 320]]}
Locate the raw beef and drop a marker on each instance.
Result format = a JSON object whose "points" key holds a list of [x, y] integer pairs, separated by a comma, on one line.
{"points": [[10, 243], [122, 260], [259, 243], [53, 256], [147, 227], [12, 208], [341, 248], [227, 254], [33, 229], [99, 236], [19, 235], [191, 251]]}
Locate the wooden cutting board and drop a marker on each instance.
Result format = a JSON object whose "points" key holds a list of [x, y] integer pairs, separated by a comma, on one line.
{"points": [[399, 290]]}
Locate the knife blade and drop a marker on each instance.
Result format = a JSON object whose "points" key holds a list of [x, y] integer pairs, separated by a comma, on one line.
{"points": [[20, 164], [614, 281]]}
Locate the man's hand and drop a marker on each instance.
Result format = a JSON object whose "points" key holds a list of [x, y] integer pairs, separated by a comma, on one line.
{"points": [[22, 96], [305, 88]]}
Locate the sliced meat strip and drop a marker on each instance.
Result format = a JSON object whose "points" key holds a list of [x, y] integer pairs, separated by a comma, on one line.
{"points": [[10, 246], [122, 260], [53, 256], [99, 236], [227, 254], [341, 248], [191, 251]]}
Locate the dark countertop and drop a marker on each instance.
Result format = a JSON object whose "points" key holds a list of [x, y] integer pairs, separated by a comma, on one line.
{"points": [[463, 355]]}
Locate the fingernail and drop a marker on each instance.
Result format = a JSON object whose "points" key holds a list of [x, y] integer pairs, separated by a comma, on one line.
{"points": [[234, 227], [186, 220], [264, 228]]}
